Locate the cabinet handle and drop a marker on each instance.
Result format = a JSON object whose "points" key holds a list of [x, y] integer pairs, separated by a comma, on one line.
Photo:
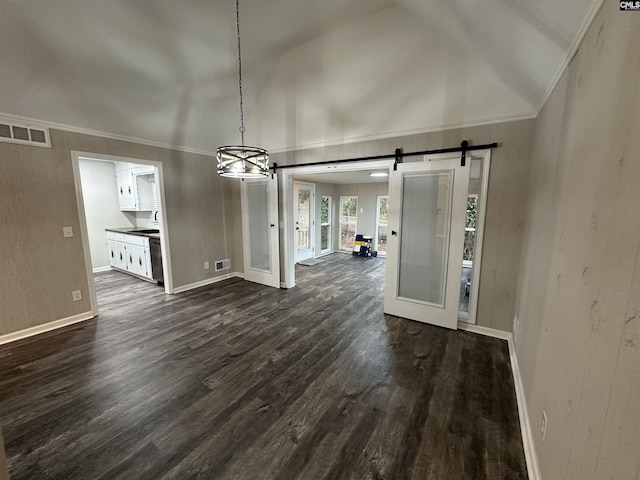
{"points": [[112, 255], [130, 259], [120, 256], [140, 260], [129, 190], [121, 192]]}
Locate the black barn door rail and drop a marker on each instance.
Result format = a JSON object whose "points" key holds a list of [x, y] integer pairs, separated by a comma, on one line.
{"points": [[398, 155]]}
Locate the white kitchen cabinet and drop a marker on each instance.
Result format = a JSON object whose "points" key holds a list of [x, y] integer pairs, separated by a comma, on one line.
{"points": [[137, 261], [126, 189], [135, 189], [111, 248], [130, 253], [121, 255]]}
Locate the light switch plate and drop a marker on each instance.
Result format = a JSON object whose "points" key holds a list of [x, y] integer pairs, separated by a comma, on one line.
{"points": [[67, 231], [76, 295]]}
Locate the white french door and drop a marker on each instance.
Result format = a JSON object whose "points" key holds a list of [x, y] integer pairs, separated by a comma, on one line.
{"points": [[260, 231], [427, 208], [304, 209]]}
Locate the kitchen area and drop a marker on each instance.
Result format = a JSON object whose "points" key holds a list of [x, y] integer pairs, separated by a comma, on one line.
{"points": [[122, 211]]}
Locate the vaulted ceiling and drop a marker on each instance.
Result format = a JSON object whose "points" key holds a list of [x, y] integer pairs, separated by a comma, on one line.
{"points": [[165, 71]]}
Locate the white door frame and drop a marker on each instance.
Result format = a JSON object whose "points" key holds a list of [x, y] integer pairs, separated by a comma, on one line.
{"points": [[485, 157], [163, 227], [286, 194], [312, 215]]}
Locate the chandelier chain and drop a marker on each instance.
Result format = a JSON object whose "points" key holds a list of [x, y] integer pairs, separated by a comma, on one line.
{"points": [[240, 72]]}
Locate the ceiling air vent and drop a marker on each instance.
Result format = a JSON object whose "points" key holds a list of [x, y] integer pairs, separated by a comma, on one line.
{"points": [[24, 133]]}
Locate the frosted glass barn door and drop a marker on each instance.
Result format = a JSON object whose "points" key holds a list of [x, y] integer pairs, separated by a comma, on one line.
{"points": [[260, 231], [427, 205]]}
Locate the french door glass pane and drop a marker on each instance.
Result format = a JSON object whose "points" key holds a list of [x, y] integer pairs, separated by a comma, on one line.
{"points": [[383, 217], [424, 239], [324, 237], [304, 215], [258, 200], [324, 209], [348, 222]]}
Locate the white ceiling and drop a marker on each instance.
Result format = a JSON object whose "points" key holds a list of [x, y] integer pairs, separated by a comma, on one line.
{"points": [[330, 71]]}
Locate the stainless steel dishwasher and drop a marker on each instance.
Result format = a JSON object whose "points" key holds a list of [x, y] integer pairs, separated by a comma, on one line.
{"points": [[156, 260]]}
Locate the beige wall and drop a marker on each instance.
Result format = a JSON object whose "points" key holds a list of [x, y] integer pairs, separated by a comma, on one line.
{"points": [[40, 268], [506, 200], [579, 285]]}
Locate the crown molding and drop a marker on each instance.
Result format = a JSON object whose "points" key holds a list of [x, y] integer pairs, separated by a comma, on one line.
{"points": [[410, 131], [101, 134], [571, 53]]}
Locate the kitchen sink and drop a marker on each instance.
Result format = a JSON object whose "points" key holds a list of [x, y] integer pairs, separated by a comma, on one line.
{"points": [[150, 230]]}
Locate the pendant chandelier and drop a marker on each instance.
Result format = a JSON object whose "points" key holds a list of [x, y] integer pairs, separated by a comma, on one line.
{"points": [[239, 161]]}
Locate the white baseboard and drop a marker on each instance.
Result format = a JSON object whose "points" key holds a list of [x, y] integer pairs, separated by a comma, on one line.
{"points": [[208, 281], [102, 269], [533, 468], [46, 327], [479, 329]]}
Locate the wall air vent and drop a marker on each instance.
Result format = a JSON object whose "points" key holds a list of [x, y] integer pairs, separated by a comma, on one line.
{"points": [[223, 264], [24, 133]]}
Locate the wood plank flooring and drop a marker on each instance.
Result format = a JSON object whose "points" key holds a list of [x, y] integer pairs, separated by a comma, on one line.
{"points": [[242, 381]]}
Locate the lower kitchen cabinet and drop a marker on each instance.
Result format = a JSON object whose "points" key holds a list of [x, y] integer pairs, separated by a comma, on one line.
{"points": [[130, 253]]}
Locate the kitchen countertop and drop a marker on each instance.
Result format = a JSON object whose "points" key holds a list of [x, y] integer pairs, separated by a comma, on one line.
{"points": [[134, 231]]}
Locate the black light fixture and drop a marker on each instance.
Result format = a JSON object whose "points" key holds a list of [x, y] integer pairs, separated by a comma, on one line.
{"points": [[239, 161]]}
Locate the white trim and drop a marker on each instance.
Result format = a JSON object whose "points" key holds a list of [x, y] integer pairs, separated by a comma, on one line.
{"points": [[407, 132], [480, 330], [533, 469], [101, 134], [45, 327], [208, 281], [485, 158], [377, 136], [102, 269], [571, 53]]}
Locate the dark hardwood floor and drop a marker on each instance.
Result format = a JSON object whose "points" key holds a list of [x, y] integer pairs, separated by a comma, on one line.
{"points": [[242, 381]]}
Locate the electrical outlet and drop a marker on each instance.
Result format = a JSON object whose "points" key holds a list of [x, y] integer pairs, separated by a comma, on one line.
{"points": [[206, 265], [67, 232], [543, 425], [76, 295], [516, 328]]}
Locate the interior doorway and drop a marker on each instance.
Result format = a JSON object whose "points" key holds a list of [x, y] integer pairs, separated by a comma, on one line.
{"points": [[468, 271], [117, 193]]}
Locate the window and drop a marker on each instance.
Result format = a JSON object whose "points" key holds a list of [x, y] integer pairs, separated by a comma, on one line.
{"points": [[325, 225], [470, 230], [348, 222], [382, 217]]}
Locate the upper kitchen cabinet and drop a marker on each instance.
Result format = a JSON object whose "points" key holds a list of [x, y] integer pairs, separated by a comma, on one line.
{"points": [[135, 186]]}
